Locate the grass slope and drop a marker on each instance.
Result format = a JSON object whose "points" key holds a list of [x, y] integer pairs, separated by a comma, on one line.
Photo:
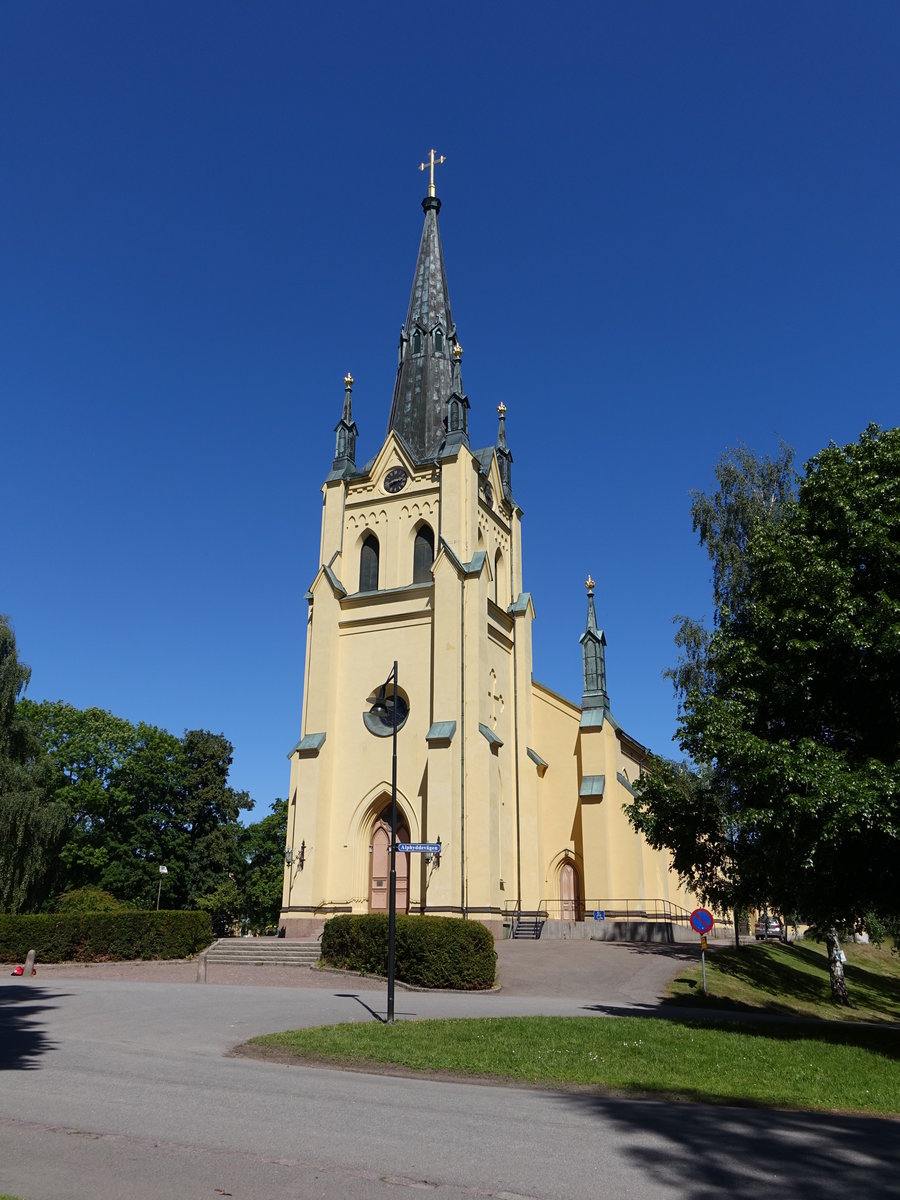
{"points": [[793, 979]]}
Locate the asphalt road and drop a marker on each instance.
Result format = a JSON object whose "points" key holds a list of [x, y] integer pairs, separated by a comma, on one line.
{"points": [[114, 1089]]}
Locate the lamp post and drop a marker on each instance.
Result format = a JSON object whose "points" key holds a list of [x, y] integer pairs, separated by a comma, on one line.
{"points": [[391, 711], [162, 871]]}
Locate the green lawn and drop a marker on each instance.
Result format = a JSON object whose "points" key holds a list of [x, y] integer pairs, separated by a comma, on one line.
{"points": [[793, 979], [826, 1067]]}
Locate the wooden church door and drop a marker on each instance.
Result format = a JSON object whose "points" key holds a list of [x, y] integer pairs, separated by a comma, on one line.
{"points": [[380, 869], [568, 893]]}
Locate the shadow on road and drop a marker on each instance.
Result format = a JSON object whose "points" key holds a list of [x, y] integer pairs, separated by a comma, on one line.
{"points": [[22, 1039], [744, 1153], [677, 951]]}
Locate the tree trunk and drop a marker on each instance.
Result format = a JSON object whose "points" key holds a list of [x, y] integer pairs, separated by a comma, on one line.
{"points": [[737, 929], [836, 968]]}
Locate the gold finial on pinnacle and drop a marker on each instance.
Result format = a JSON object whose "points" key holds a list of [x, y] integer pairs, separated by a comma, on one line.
{"points": [[457, 351], [501, 409], [348, 381], [431, 164], [590, 585]]}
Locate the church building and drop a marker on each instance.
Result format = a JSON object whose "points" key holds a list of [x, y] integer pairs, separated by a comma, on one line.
{"points": [[421, 563]]}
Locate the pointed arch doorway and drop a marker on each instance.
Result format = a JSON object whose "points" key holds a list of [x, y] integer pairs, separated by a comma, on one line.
{"points": [[380, 865], [569, 893]]}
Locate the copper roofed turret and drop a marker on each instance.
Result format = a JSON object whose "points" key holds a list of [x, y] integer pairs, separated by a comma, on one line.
{"points": [[593, 648], [427, 373]]}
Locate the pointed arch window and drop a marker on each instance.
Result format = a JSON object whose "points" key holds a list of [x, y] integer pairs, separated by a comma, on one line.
{"points": [[591, 665], [417, 342], [423, 555], [368, 564], [438, 342], [499, 581]]}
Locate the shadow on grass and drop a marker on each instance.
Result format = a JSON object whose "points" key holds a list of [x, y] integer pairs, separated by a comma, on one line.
{"points": [[23, 1041], [786, 975], [881, 1039], [707, 1152]]}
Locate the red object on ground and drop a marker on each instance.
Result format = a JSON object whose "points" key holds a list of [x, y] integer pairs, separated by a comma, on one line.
{"points": [[18, 971]]}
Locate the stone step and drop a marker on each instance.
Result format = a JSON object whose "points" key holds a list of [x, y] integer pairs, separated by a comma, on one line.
{"points": [[272, 951]]}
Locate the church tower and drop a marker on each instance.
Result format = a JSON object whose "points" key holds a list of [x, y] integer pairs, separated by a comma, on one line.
{"points": [[420, 562]]}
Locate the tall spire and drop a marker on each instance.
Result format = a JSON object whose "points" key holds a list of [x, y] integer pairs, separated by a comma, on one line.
{"points": [[593, 649], [345, 433], [426, 371], [504, 454]]}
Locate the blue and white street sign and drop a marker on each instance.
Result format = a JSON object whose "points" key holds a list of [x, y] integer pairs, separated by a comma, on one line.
{"points": [[418, 847]]}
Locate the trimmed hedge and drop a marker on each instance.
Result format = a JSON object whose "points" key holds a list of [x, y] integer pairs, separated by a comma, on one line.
{"points": [[103, 936], [433, 952]]}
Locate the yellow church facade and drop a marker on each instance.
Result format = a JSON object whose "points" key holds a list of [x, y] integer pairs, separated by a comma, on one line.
{"points": [[421, 563]]}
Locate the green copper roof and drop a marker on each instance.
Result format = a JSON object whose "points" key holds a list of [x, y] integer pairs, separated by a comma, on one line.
{"points": [[311, 743], [592, 785], [441, 731]]}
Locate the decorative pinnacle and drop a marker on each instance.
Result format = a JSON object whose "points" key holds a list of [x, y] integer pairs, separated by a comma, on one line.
{"points": [[348, 381], [590, 585], [457, 351], [431, 164], [501, 409]]}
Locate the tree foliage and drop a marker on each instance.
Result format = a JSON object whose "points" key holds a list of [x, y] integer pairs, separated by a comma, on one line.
{"points": [[32, 824], [138, 798], [790, 705], [262, 872], [92, 805], [804, 713]]}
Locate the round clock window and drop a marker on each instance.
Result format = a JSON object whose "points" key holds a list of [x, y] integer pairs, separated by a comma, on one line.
{"points": [[395, 480]]}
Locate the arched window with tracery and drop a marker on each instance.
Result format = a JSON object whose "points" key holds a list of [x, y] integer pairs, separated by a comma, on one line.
{"points": [[368, 564], [423, 554]]}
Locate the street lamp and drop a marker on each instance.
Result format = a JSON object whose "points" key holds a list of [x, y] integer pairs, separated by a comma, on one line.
{"points": [[162, 871], [387, 707]]}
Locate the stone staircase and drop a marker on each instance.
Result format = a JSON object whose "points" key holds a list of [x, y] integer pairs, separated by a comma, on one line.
{"points": [[264, 952]]}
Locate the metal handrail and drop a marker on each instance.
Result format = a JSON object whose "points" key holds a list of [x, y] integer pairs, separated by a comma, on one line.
{"points": [[646, 909]]}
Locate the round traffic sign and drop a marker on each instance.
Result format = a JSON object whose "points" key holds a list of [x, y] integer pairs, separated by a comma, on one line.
{"points": [[702, 920]]}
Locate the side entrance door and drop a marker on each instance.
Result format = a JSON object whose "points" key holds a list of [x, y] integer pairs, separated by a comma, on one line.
{"points": [[380, 868], [568, 893]]}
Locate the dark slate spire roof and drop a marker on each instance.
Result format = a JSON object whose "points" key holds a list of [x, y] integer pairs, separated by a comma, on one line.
{"points": [[426, 372], [504, 454], [593, 649], [346, 433]]}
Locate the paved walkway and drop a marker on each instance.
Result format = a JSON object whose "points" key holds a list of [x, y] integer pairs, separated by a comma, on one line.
{"points": [[614, 972]]}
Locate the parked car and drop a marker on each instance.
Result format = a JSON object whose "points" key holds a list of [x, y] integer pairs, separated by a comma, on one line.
{"points": [[769, 927]]}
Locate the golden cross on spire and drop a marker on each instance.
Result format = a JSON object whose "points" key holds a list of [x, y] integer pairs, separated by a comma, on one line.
{"points": [[431, 164], [348, 381], [590, 585]]}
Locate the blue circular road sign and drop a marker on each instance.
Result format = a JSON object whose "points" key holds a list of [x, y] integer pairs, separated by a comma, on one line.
{"points": [[702, 920]]}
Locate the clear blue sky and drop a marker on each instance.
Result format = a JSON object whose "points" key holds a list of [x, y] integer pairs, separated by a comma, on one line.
{"points": [[668, 229]]}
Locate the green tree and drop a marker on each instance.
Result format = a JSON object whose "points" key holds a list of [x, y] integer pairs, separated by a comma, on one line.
{"points": [[798, 708], [262, 875], [694, 813], [119, 783], [32, 824], [137, 797], [805, 712], [208, 814]]}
